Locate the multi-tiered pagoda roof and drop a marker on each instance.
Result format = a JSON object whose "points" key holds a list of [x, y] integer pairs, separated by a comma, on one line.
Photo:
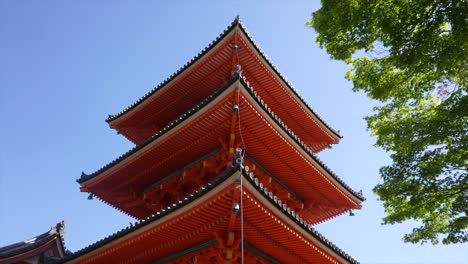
{"points": [[224, 168], [209, 70], [274, 233]]}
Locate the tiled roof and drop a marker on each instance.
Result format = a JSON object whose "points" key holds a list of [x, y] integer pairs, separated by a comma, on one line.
{"points": [[177, 73], [84, 177], [288, 84], [154, 217], [200, 192], [22, 247], [236, 76], [236, 23], [295, 217], [297, 139]]}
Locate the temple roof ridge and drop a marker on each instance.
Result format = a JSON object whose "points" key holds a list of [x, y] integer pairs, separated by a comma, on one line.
{"points": [[200, 192], [55, 231], [200, 54], [236, 23], [283, 78], [292, 214], [84, 177], [297, 139], [237, 75], [163, 212]]}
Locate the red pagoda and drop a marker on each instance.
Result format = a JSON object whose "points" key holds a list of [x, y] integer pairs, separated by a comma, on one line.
{"points": [[224, 169]]}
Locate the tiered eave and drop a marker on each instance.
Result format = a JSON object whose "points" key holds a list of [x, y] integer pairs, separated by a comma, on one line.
{"points": [[210, 69], [206, 129], [221, 171], [272, 230]]}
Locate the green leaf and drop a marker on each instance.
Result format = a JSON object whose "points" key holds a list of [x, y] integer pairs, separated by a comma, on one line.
{"points": [[412, 56]]}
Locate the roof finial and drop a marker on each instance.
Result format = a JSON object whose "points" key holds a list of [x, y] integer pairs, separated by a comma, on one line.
{"points": [[238, 158], [238, 69], [237, 20]]}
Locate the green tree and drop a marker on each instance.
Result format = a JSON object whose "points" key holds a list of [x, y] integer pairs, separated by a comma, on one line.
{"points": [[411, 55]]}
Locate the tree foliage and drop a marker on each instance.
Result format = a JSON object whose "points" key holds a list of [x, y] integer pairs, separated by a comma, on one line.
{"points": [[411, 55]]}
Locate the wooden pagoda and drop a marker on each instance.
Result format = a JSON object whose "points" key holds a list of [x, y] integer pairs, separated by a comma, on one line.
{"points": [[224, 169]]}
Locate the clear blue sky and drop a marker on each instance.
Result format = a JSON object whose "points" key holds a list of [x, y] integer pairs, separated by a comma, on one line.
{"points": [[64, 65]]}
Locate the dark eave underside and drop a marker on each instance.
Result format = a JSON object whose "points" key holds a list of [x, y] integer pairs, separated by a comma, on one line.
{"points": [[211, 243], [202, 191], [234, 24], [237, 76]]}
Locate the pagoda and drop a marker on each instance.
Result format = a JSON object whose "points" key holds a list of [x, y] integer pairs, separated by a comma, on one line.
{"points": [[224, 169]]}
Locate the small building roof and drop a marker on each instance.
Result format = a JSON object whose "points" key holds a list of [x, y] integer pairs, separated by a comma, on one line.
{"points": [[36, 245]]}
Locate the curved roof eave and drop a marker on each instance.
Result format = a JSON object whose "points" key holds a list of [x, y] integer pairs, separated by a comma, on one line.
{"points": [[219, 39], [15, 249], [199, 193], [296, 138], [85, 177], [236, 76], [235, 24]]}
